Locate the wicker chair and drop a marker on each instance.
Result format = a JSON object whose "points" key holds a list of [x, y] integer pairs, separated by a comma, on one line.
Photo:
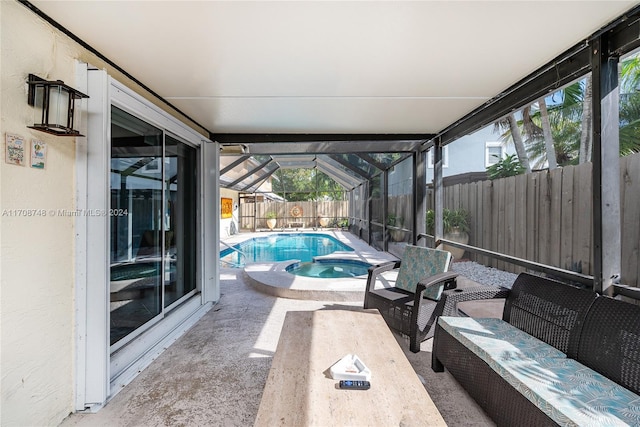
{"points": [[409, 307]]}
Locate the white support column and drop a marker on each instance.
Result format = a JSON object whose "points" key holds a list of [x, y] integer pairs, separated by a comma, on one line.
{"points": [[211, 222]]}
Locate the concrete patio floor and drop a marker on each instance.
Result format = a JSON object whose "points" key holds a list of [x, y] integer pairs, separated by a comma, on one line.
{"points": [[215, 373]]}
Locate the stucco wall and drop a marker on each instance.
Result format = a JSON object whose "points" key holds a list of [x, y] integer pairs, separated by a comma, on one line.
{"points": [[37, 251]]}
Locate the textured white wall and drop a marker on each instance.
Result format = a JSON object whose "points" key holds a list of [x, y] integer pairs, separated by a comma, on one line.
{"points": [[37, 252], [225, 224], [37, 270]]}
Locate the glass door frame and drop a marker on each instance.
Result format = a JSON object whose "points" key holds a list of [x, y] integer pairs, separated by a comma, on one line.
{"points": [[164, 310], [198, 220], [100, 373]]}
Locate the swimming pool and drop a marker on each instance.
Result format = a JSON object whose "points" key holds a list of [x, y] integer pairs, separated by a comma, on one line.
{"points": [[283, 247], [330, 268]]}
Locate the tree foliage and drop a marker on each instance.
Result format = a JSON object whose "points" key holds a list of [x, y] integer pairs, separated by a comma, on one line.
{"points": [[566, 112], [297, 185]]}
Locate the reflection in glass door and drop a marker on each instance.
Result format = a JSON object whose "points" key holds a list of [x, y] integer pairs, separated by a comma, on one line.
{"points": [[153, 224], [181, 189]]}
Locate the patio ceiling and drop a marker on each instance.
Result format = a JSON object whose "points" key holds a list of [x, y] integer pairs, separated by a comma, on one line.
{"points": [[363, 67], [270, 78]]}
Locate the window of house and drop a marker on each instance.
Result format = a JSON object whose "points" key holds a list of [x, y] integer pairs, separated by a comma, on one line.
{"points": [[493, 153], [445, 157]]}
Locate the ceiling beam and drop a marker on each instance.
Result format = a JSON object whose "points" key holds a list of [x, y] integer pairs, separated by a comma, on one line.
{"points": [[242, 138], [333, 169], [344, 180], [258, 182], [367, 158], [623, 33], [324, 143], [351, 167], [331, 147], [234, 164], [251, 172]]}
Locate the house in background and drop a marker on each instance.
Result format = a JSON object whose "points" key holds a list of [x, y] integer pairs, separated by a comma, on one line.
{"points": [[472, 154]]}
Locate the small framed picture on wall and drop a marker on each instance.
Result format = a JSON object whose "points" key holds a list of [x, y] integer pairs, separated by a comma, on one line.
{"points": [[14, 149], [226, 207], [38, 154]]}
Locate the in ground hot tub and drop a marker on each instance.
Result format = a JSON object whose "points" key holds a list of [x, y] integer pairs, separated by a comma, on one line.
{"points": [[329, 268]]}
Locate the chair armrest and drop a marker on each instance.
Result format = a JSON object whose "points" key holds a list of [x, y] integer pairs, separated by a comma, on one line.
{"points": [[419, 302], [428, 282], [451, 298], [375, 270], [386, 266]]}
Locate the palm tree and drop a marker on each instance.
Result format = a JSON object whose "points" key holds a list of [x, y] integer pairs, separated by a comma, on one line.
{"points": [[515, 135], [561, 132], [586, 136], [629, 124], [548, 136], [630, 105]]}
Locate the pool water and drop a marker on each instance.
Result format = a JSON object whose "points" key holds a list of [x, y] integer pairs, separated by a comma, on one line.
{"points": [[283, 247], [332, 269]]}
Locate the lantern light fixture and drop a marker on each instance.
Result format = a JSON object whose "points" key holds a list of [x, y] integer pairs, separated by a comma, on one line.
{"points": [[55, 109]]}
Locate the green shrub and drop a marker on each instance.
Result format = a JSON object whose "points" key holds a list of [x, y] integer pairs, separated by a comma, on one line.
{"points": [[509, 166], [450, 219]]}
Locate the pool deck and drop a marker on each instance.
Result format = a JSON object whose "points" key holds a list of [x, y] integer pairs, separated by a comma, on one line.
{"points": [[273, 279], [215, 374]]}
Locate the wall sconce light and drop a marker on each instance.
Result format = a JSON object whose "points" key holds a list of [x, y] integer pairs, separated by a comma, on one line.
{"points": [[54, 106]]}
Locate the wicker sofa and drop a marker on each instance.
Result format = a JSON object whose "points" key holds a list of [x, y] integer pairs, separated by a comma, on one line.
{"points": [[559, 356]]}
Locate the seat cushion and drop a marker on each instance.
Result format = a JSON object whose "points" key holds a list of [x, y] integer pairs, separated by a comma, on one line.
{"points": [[495, 341], [572, 394], [564, 389], [419, 263]]}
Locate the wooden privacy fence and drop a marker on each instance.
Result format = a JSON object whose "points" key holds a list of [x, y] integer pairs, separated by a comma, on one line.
{"points": [[546, 217], [294, 214]]}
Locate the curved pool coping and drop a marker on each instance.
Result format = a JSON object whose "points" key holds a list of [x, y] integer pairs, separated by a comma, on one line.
{"points": [[273, 278]]}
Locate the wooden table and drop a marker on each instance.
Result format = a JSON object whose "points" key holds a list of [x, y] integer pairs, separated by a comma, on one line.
{"points": [[300, 391]]}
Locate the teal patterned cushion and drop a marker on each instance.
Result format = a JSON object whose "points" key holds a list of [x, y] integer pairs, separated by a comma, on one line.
{"points": [[572, 394], [496, 340], [419, 263], [567, 391]]}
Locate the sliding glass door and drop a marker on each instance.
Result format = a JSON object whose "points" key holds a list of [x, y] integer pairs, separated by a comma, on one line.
{"points": [[181, 190], [153, 240]]}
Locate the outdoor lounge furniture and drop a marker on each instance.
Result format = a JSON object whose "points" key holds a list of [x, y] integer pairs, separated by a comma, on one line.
{"points": [[560, 355], [300, 389], [424, 289]]}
